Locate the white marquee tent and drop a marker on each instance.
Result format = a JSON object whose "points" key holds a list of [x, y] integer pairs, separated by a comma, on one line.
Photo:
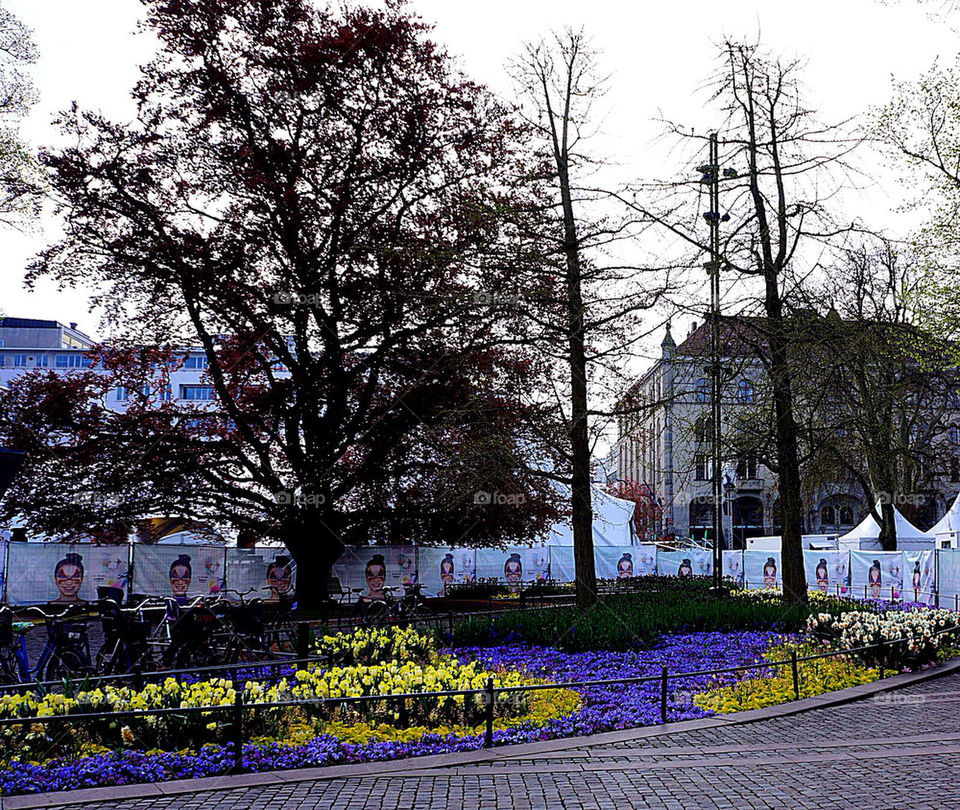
{"points": [[949, 524], [869, 530], [611, 522]]}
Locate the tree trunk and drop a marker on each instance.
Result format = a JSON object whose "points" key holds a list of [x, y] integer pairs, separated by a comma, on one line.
{"points": [[314, 543], [791, 501], [888, 523], [582, 519]]}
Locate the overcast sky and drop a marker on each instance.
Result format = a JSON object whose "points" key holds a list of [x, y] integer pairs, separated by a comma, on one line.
{"points": [[658, 54]]}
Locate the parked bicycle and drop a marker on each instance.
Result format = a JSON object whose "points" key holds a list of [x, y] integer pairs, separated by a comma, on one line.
{"points": [[410, 607], [126, 633]]}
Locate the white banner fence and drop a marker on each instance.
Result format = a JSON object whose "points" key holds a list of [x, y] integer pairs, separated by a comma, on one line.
{"points": [[34, 573]]}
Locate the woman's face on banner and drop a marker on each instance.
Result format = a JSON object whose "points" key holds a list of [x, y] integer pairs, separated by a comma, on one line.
{"points": [[512, 572], [446, 572], [68, 578], [279, 579], [376, 576], [179, 580], [624, 569]]}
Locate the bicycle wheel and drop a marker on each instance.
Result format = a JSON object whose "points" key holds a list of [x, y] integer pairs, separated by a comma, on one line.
{"points": [[376, 612], [103, 662], [189, 656], [66, 664], [9, 669]]}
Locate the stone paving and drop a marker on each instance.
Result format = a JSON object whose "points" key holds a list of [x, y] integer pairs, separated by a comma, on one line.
{"points": [[900, 749]]}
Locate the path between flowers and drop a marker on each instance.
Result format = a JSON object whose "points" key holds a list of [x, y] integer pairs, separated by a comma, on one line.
{"points": [[887, 749]]}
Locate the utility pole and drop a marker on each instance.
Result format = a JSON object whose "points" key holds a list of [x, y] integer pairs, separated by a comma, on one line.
{"points": [[711, 178]]}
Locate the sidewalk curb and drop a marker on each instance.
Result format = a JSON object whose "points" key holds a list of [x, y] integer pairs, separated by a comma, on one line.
{"points": [[438, 762]]}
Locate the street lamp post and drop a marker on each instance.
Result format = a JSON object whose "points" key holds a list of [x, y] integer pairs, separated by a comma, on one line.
{"points": [[711, 178]]}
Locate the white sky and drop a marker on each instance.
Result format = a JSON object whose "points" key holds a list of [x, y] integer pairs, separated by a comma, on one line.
{"points": [[657, 53]]}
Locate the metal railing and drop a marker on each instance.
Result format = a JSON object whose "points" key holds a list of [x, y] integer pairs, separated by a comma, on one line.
{"points": [[488, 694]]}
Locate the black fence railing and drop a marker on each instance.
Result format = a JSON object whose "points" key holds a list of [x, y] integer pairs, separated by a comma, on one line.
{"points": [[487, 694]]}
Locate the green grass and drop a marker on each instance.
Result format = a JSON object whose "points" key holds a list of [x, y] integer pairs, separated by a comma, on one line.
{"points": [[637, 619]]}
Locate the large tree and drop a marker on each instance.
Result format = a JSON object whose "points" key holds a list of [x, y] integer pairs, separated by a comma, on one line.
{"points": [[319, 201]]}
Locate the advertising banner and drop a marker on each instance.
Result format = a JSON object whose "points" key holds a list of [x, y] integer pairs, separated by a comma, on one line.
{"points": [[624, 562], [827, 571], [62, 573], [514, 565], [761, 569], [438, 568], [263, 573], [919, 570], [876, 574], [687, 563], [370, 569], [561, 564], [947, 576], [183, 572], [733, 566]]}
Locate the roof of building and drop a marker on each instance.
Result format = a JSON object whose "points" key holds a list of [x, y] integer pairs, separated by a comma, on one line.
{"points": [[28, 323]]}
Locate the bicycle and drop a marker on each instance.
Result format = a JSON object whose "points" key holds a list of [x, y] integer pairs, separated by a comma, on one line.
{"points": [[191, 636], [14, 666], [66, 654], [126, 639]]}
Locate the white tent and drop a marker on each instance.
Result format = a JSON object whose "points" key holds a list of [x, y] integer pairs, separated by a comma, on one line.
{"points": [[950, 522], [611, 522], [869, 530]]}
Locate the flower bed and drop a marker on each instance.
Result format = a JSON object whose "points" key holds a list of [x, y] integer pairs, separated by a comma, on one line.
{"points": [[775, 686], [911, 639]]}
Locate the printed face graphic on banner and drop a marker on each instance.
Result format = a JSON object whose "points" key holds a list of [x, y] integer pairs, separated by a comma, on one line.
{"points": [[447, 571], [513, 572], [823, 579], [279, 578], [181, 573], [685, 569], [376, 575], [770, 573], [625, 566], [408, 568], [468, 566], [875, 578], [68, 577], [540, 560]]}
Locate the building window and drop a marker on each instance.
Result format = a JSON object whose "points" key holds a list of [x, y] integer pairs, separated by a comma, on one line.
{"points": [[196, 361], [955, 469], [954, 435], [19, 361], [196, 393], [846, 515], [703, 390], [121, 394], [828, 516], [704, 467], [745, 392], [72, 361], [704, 429], [164, 394], [43, 361], [747, 466]]}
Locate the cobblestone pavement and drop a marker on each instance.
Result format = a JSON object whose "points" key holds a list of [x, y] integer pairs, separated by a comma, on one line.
{"points": [[897, 750]]}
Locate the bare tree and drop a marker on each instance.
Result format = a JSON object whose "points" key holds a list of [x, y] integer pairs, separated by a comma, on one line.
{"points": [[781, 167], [590, 319]]}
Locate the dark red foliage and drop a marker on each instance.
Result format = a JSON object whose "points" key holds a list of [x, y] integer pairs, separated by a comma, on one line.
{"points": [[316, 191]]}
